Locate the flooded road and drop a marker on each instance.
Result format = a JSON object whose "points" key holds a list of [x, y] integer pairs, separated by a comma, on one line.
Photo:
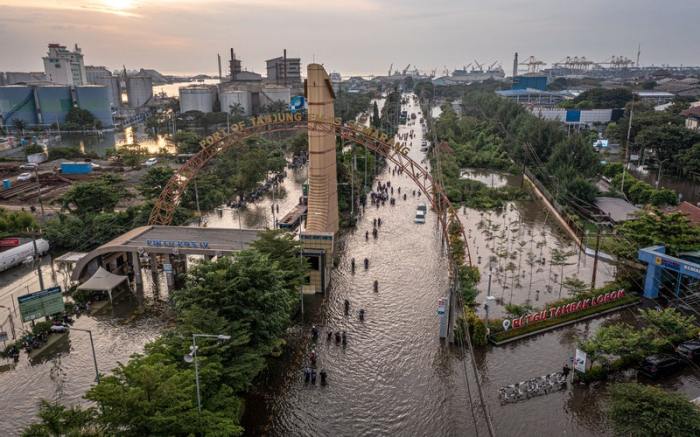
{"points": [[67, 372], [395, 377]]}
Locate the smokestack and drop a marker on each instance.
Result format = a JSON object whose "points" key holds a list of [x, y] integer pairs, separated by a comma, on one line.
{"points": [[515, 65], [218, 56], [285, 65]]}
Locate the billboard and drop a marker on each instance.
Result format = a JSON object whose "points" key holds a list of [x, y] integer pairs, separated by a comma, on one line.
{"points": [[40, 304]]}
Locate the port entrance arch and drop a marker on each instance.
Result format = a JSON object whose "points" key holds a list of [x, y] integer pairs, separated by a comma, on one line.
{"points": [[372, 139]]}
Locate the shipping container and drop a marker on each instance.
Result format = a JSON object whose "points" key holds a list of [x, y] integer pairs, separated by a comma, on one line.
{"points": [[76, 168]]}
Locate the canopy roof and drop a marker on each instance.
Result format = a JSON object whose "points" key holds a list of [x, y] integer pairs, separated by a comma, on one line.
{"points": [[102, 280]]}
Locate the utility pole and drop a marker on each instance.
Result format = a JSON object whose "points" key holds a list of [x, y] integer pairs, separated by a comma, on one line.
{"points": [[41, 201], [627, 145], [37, 262], [595, 258], [196, 198], [352, 185]]}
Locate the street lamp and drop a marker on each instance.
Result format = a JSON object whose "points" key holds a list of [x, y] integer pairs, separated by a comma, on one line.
{"points": [[486, 308], [192, 357]]}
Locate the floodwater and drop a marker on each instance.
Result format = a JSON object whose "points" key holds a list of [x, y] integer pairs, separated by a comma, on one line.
{"points": [[100, 144], [173, 89], [395, 377], [66, 373]]}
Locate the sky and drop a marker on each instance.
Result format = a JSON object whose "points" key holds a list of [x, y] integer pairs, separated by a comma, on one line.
{"points": [[347, 36]]}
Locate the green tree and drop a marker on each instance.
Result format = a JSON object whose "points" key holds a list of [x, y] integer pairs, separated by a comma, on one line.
{"points": [[623, 340], [575, 286], [638, 410], [604, 98], [101, 195], [19, 125], [668, 142], [186, 141], [56, 420], [154, 181], [152, 396], [78, 119], [376, 122], [674, 230], [690, 159], [671, 324], [16, 222]]}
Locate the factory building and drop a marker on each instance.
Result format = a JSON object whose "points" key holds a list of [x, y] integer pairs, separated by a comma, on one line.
{"points": [[46, 105], [92, 73], [22, 78], [65, 67], [113, 89], [533, 97], [139, 90], [284, 70]]}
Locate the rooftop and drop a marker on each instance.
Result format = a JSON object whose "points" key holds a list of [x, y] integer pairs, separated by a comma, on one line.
{"points": [[618, 210]]}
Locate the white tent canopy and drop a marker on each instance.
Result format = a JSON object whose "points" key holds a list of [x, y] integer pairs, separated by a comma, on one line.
{"points": [[102, 280]]}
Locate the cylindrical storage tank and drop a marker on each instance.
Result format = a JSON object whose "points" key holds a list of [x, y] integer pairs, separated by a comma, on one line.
{"points": [[54, 103], [112, 84], [17, 103], [197, 98], [231, 98], [139, 90], [275, 94], [95, 98]]}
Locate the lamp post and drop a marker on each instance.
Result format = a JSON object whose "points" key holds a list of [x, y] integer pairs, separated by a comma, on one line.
{"points": [[658, 176], [192, 357], [92, 345], [486, 308]]}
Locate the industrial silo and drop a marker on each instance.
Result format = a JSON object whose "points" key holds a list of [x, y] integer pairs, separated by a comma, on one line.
{"points": [[17, 103], [197, 98], [139, 90], [231, 98], [54, 103], [95, 99], [112, 84], [274, 93]]}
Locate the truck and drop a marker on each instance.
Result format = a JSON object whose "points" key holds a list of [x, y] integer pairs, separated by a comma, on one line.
{"points": [[76, 168]]}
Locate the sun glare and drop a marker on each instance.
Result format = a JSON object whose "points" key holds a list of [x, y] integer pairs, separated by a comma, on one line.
{"points": [[119, 4]]}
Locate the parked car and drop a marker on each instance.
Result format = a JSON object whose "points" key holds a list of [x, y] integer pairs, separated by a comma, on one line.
{"points": [[150, 162], [29, 166], [24, 177], [689, 350], [660, 364]]}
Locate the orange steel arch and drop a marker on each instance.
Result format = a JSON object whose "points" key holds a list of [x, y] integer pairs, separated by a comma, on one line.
{"points": [[162, 213]]}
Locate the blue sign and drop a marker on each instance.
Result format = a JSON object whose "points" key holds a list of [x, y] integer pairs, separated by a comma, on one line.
{"points": [[296, 103], [177, 243]]}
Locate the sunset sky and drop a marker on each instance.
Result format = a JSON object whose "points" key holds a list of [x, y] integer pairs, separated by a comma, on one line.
{"points": [[359, 36]]}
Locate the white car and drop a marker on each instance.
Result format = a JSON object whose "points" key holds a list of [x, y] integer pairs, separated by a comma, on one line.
{"points": [[24, 177], [150, 162], [28, 166]]}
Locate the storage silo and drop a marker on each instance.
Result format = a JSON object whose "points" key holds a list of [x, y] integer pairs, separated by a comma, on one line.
{"points": [[54, 103], [230, 98], [197, 98], [112, 84], [95, 99], [17, 103], [274, 93], [139, 90]]}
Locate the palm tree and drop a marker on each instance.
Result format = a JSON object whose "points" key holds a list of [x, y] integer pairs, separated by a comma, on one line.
{"points": [[20, 125]]}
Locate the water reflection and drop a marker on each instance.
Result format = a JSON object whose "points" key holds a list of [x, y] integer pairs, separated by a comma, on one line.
{"points": [[100, 144]]}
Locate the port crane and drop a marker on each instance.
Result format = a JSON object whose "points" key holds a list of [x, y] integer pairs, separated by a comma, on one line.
{"points": [[492, 65], [533, 64], [406, 69], [480, 67], [390, 68]]}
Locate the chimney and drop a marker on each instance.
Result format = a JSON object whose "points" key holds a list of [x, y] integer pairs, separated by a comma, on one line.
{"points": [[285, 66], [218, 56], [515, 65]]}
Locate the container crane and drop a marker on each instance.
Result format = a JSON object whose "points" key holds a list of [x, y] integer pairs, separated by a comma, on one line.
{"points": [[479, 66], [533, 64], [390, 68], [406, 69], [492, 65]]}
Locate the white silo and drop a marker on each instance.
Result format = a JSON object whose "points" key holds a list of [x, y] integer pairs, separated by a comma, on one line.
{"points": [[197, 98], [230, 98], [139, 90], [275, 93]]}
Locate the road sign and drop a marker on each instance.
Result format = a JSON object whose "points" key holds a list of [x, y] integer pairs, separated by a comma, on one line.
{"points": [[580, 361], [40, 304]]}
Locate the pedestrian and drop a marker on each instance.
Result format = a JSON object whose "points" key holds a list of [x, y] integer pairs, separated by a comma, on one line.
{"points": [[366, 263], [366, 235], [347, 310], [566, 370], [376, 286], [374, 233], [324, 375], [329, 336], [314, 332], [313, 376], [379, 222], [362, 314], [307, 374], [345, 338], [337, 337], [312, 357]]}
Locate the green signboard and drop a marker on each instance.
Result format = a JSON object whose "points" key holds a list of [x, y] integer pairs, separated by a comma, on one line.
{"points": [[40, 304]]}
